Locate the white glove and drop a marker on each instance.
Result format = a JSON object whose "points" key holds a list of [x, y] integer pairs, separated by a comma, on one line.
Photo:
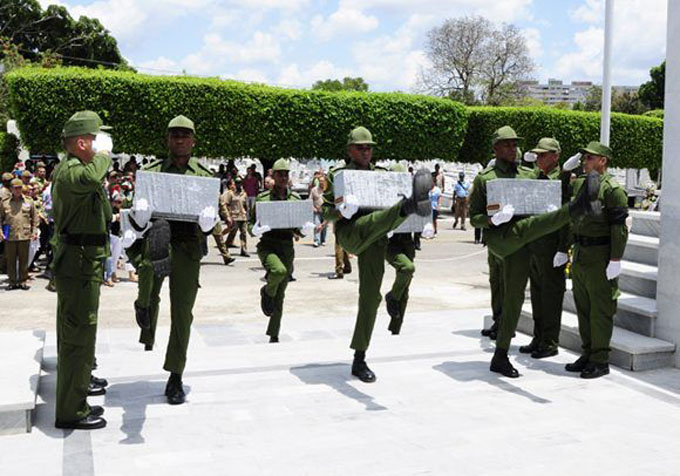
{"points": [[390, 234], [141, 212], [428, 231], [560, 259], [207, 219], [102, 143], [504, 216], [308, 228], [491, 163], [259, 230], [613, 269], [128, 238], [572, 162], [530, 157], [349, 206]]}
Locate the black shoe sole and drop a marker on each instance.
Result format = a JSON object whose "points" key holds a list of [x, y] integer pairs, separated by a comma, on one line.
{"points": [[96, 392], [544, 354], [81, 425]]}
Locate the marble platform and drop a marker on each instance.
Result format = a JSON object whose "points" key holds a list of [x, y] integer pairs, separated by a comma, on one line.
{"points": [[293, 408], [22, 353]]}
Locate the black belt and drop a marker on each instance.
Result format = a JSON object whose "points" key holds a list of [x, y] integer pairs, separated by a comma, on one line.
{"points": [[592, 240], [84, 239]]}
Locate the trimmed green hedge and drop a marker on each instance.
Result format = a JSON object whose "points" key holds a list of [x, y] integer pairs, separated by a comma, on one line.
{"points": [[636, 140], [9, 151], [658, 113], [232, 119]]}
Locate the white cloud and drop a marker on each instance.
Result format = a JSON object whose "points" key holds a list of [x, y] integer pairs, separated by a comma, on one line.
{"points": [[160, 65], [293, 76], [639, 42], [288, 28], [250, 75], [344, 21], [263, 47], [533, 38]]}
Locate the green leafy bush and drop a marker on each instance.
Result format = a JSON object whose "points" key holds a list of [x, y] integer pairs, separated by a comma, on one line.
{"points": [[635, 140], [232, 119], [658, 113], [9, 151]]}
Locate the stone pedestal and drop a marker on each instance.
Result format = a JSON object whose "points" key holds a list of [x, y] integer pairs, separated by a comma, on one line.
{"points": [[668, 298]]}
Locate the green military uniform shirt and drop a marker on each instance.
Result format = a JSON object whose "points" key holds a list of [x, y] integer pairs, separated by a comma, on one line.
{"points": [[22, 217]]}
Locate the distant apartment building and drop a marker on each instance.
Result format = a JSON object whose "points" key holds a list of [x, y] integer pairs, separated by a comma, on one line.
{"points": [[556, 91]]}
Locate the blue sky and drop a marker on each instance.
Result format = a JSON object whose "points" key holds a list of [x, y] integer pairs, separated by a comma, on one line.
{"points": [[296, 42]]}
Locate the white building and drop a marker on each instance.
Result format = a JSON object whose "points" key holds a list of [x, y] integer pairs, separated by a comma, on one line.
{"points": [[556, 91]]}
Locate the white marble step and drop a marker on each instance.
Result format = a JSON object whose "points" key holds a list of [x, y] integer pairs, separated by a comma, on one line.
{"points": [[629, 350], [638, 279], [642, 249], [19, 377], [635, 313], [646, 223]]}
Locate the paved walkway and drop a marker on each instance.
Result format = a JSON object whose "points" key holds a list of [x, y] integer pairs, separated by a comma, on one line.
{"points": [[293, 408]]}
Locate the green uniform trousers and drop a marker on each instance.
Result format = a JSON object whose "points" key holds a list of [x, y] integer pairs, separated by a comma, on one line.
{"points": [[595, 297], [219, 241], [77, 308], [547, 285], [138, 255], [366, 237], [508, 238], [17, 251], [515, 278], [183, 290], [402, 262], [496, 284], [278, 261]]}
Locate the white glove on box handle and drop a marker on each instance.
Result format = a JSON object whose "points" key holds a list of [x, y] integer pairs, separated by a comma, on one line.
{"points": [[428, 231], [259, 230], [207, 219], [141, 212], [560, 259], [613, 269], [349, 206], [504, 216]]}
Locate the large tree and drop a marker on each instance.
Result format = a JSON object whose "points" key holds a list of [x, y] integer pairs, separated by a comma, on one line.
{"points": [[470, 57], [347, 84], [82, 42], [651, 93]]}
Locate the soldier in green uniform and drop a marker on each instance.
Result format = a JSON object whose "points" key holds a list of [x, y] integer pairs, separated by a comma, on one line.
{"points": [[275, 250], [186, 242], [81, 213], [363, 233], [548, 259], [599, 243], [507, 236]]}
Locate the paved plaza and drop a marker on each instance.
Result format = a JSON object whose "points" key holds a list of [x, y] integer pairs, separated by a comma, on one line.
{"points": [[293, 408]]}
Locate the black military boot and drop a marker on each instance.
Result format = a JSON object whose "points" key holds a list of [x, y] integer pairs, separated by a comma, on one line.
{"points": [[142, 316], [578, 366], [174, 391], [98, 382], [393, 307], [529, 348], [586, 202], [90, 422], [273, 339], [94, 391], [491, 332], [419, 201], [595, 370], [360, 369], [501, 364], [544, 351], [266, 302]]}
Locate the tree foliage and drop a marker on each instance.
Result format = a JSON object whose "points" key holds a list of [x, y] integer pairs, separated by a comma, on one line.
{"points": [[347, 84], [468, 55], [9, 151], [636, 140], [233, 119], [36, 32], [652, 92]]}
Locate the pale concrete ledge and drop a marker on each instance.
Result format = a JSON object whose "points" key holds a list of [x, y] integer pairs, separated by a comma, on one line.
{"points": [[19, 378]]}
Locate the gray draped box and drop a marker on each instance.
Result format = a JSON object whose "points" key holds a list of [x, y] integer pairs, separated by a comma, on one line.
{"points": [[177, 197], [283, 214], [529, 197], [374, 190], [414, 224]]}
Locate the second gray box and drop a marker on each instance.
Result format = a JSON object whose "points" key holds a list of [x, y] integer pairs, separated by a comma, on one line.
{"points": [[529, 197], [283, 214]]}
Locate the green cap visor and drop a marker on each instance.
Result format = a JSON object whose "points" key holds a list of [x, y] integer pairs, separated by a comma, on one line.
{"points": [[597, 148]]}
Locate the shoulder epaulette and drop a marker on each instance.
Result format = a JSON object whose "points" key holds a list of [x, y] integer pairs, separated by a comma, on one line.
{"points": [[263, 194], [154, 164], [204, 168], [296, 195]]}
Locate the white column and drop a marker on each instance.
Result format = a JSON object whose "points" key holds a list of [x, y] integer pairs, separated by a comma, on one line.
{"points": [[668, 284], [605, 116]]}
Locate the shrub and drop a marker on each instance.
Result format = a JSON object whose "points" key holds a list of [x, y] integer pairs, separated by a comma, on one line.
{"points": [[232, 119], [658, 113], [635, 140], [9, 151]]}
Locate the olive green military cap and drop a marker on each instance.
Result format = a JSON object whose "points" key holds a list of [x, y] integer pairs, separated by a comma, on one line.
{"points": [[181, 122], [547, 144], [17, 183], [6, 177], [504, 133], [281, 164], [83, 123], [26, 173], [360, 135], [597, 148]]}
